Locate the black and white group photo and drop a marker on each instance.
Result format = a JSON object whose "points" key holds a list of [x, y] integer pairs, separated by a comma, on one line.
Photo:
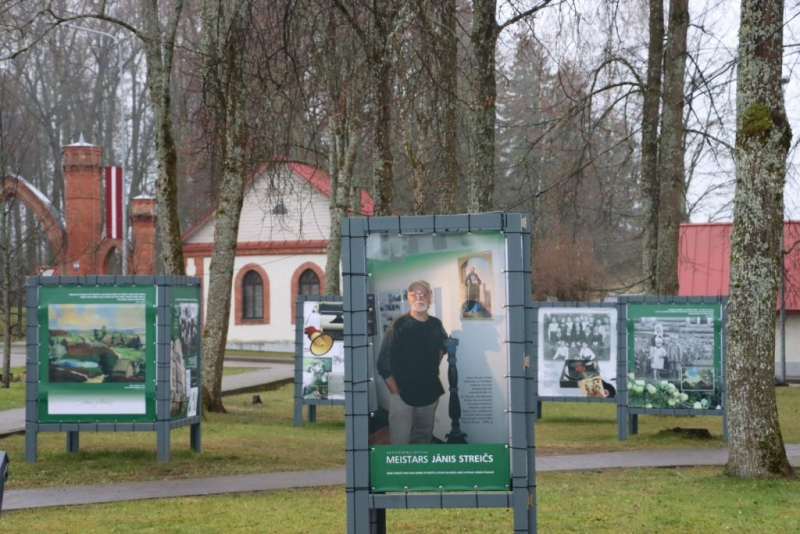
{"points": [[679, 349], [577, 351], [577, 336]]}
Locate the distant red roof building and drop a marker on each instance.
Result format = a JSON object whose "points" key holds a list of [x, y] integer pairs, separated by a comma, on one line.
{"points": [[322, 182], [704, 263], [317, 178]]}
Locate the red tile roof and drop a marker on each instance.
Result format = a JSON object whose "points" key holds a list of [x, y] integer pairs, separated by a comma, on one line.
{"points": [[322, 182], [704, 262]]}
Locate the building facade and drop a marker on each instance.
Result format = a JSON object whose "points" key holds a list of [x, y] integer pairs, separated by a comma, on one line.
{"points": [[281, 253]]}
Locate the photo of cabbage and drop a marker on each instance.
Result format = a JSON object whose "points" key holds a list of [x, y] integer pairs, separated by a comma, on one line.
{"points": [[674, 357]]}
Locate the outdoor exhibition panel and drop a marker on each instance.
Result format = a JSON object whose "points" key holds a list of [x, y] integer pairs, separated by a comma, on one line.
{"points": [[318, 355], [112, 354], [674, 352], [648, 355], [473, 271], [577, 351]]}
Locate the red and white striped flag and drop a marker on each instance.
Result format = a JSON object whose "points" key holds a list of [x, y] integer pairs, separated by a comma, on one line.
{"points": [[113, 182]]}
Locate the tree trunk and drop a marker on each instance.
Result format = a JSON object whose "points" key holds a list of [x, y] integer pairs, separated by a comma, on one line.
{"points": [[650, 114], [376, 39], [763, 137], [428, 72], [342, 157], [418, 106], [340, 179], [225, 27], [483, 107], [5, 252], [672, 186], [382, 159], [340, 69], [158, 51], [448, 78]]}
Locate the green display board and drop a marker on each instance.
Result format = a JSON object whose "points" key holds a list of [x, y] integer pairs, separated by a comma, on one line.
{"points": [[440, 399], [96, 354], [323, 350], [674, 356]]}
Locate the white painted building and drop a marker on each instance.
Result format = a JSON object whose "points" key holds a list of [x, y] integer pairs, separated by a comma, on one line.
{"points": [[283, 238]]}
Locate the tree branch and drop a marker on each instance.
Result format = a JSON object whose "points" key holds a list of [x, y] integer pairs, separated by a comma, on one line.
{"points": [[521, 15]]}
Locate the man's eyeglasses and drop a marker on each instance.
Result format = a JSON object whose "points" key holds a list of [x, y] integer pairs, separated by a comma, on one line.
{"points": [[419, 294]]}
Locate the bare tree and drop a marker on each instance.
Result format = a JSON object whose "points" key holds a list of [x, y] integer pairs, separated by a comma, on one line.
{"points": [[447, 72], [418, 104], [763, 138], [427, 73], [342, 68], [5, 272], [483, 106], [159, 46], [650, 117], [671, 206], [14, 235], [226, 26], [565, 155], [5, 242], [374, 25]]}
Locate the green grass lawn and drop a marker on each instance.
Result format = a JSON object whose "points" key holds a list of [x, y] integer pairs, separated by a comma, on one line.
{"points": [[258, 438], [259, 354], [685, 500], [14, 395], [17, 324]]}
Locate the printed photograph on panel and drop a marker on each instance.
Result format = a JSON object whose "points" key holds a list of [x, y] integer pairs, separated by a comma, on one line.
{"points": [[96, 353], [475, 272], [577, 352], [96, 343], [184, 350], [323, 350], [439, 296], [674, 358]]}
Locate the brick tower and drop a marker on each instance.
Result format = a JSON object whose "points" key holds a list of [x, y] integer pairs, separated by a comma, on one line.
{"points": [[82, 207], [143, 224], [87, 249]]}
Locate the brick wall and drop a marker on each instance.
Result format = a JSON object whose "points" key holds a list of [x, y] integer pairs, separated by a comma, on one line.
{"points": [[82, 201], [143, 225]]}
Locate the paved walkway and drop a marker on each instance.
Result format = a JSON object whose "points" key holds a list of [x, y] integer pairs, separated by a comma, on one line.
{"points": [[74, 495]]}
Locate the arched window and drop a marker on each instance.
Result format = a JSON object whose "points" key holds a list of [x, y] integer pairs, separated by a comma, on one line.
{"points": [[308, 283], [307, 279], [252, 296], [280, 208]]}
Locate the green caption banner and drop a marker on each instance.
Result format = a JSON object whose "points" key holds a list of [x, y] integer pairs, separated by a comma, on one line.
{"points": [[440, 467]]}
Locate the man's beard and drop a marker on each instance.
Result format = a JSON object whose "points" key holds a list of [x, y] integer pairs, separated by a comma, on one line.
{"points": [[419, 306]]}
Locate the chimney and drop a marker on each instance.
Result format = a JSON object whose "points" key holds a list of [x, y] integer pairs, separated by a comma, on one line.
{"points": [[82, 203], [143, 226]]}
